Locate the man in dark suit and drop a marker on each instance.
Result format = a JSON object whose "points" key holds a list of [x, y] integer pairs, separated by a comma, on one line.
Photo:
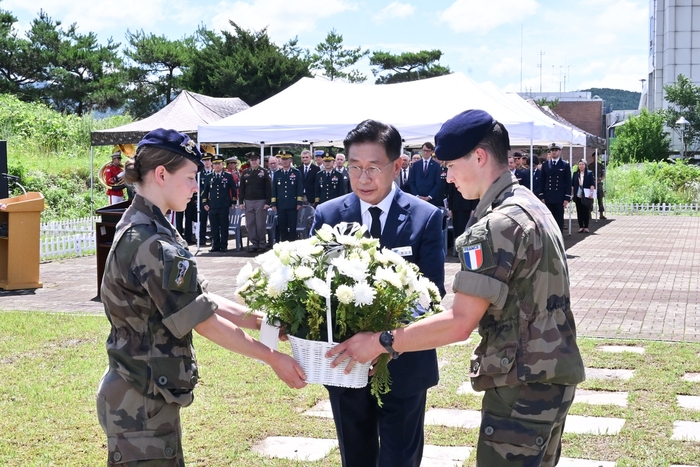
{"points": [[523, 176], [425, 177], [391, 435], [402, 179], [555, 184], [308, 177]]}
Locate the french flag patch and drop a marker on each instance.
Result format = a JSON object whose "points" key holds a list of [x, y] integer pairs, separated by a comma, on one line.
{"points": [[473, 256]]}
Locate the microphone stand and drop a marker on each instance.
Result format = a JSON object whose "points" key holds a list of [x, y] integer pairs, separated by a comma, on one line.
{"points": [[15, 180]]}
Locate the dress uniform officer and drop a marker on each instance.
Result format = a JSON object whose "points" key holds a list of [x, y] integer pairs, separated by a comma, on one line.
{"points": [[287, 195], [203, 214], [329, 182], [218, 197], [555, 184], [255, 194]]}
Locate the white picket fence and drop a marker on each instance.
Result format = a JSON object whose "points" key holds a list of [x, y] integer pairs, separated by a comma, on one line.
{"points": [[72, 237], [662, 209]]}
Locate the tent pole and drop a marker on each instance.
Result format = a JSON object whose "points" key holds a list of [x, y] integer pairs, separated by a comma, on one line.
{"points": [[532, 168], [92, 180]]}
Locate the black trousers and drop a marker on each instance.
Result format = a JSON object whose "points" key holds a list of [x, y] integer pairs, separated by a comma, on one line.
{"points": [[203, 216], [583, 214], [287, 219], [557, 210], [370, 436], [218, 218]]}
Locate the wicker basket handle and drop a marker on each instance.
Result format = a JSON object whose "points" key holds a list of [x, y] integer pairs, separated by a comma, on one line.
{"points": [[329, 325]]}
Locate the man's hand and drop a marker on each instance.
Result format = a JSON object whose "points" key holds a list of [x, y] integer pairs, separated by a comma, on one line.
{"points": [[566, 203], [363, 347], [206, 208]]}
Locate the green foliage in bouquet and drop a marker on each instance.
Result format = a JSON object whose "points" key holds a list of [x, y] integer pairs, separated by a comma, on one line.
{"points": [[367, 288]]}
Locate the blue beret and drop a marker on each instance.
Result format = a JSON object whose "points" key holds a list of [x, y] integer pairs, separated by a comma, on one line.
{"points": [[174, 141], [460, 134]]}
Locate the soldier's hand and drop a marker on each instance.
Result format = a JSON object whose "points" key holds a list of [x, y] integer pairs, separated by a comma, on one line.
{"points": [[267, 206], [288, 370], [566, 203]]}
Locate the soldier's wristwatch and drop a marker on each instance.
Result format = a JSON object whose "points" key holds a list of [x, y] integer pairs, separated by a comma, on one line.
{"points": [[386, 339]]}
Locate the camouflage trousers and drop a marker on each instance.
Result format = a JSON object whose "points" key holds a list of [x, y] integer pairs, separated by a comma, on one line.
{"points": [[141, 431], [522, 426]]}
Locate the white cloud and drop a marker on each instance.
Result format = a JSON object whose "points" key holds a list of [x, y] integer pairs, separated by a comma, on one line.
{"points": [[283, 18], [624, 16], [395, 10], [481, 17]]}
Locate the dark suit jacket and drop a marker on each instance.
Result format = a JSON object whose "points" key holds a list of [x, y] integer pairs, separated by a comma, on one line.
{"points": [[523, 177], [399, 182], [309, 181], [410, 222], [588, 181], [555, 182], [428, 184]]}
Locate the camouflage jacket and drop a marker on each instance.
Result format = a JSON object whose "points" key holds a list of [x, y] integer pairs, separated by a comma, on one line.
{"points": [[153, 298], [513, 255]]}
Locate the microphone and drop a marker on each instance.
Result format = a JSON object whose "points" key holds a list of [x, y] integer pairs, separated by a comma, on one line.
{"points": [[10, 177]]}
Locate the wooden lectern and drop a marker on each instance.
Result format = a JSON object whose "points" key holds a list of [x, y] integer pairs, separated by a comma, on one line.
{"points": [[20, 241]]}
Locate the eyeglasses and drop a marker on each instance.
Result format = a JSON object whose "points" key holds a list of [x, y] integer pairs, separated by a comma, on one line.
{"points": [[371, 172]]}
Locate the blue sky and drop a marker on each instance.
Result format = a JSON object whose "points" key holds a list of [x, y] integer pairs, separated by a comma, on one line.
{"points": [[581, 44]]}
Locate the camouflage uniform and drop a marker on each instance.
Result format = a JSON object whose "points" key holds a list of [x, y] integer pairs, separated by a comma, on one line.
{"points": [[153, 298], [528, 362]]}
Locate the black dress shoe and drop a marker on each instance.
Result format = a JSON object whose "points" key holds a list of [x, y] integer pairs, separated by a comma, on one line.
{"points": [[223, 249], [213, 250], [603, 217], [252, 249]]}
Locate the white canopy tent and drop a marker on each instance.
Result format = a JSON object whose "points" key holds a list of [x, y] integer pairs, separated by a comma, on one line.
{"points": [[320, 112]]}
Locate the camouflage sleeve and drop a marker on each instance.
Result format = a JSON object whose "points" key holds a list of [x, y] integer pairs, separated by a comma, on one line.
{"points": [[169, 275], [488, 255]]}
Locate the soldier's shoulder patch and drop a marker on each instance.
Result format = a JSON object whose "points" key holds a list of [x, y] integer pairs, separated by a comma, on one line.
{"points": [[474, 256], [181, 274]]}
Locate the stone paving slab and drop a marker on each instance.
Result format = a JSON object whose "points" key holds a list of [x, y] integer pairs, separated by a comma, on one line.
{"points": [[692, 377], [454, 418], [301, 449], [570, 462], [686, 431], [608, 373], [621, 349], [322, 409], [620, 287], [466, 388], [444, 456], [580, 424], [618, 398], [689, 402]]}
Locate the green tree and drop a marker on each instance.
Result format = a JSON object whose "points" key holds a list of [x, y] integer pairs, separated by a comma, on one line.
{"points": [[245, 64], [642, 138], [683, 98], [332, 59], [81, 74], [408, 66], [155, 77], [21, 65]]}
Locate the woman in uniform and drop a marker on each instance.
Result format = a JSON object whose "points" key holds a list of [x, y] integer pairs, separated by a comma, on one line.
{"points": [[154, 297]]}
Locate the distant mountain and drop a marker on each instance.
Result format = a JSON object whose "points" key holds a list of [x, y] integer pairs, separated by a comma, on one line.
{"points": [[616, 99]]}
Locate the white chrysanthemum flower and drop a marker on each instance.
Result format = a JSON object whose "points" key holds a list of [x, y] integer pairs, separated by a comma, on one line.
{"points": [[278, 281], [364, 294], [305, 250], [344, 294], [389, 276], [380, 257], [303, 272], [422, 287], [355, 269], [325, 233], [246, 285], [269, 262], [393, 257], [244, 274], [319, 286]]}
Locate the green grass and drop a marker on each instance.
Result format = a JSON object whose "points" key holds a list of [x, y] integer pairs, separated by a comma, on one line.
{"points": [[51, 364]]}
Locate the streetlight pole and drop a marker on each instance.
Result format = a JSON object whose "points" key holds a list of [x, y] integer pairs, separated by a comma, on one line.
{"points": [[682, 122]]}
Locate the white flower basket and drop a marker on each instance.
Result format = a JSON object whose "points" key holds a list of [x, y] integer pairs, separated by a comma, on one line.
{"points": [[311, 355]]}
